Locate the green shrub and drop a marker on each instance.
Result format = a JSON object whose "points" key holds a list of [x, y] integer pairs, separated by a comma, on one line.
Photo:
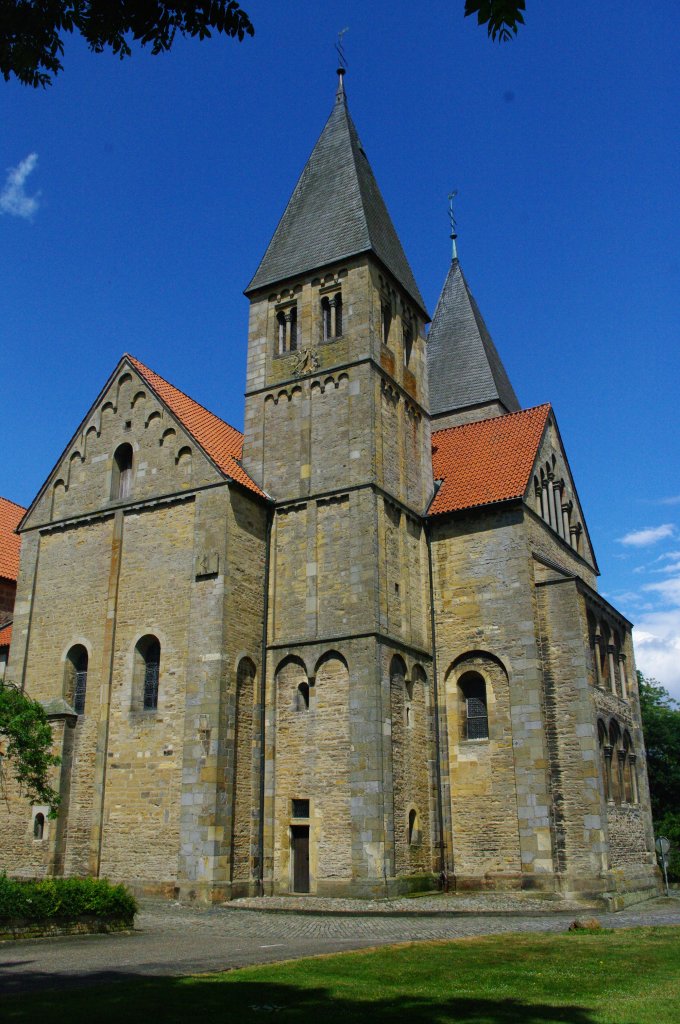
{"points": [[64, 899]]}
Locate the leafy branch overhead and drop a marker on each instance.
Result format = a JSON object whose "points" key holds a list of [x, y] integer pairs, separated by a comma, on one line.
{"points": [[26, 742], [501, 17], [32, 33]]}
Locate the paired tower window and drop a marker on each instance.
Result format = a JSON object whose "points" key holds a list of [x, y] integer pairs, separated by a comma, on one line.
{"points": [[331, 317], [287, 330], [617, 762]]}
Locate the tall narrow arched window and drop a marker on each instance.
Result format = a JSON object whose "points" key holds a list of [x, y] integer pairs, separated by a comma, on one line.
{"points": [[385, 322], [75, 678], [412, 827], [39, 825], [292, 316], [605, 758], [121, 479], [326, 318], [281, 332], [337, 333], [476, 717], [408, 341], [616, 765], [303, 697], [146, 673]]}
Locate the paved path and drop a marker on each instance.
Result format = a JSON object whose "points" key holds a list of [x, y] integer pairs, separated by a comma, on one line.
{"points": [[173, 940]]}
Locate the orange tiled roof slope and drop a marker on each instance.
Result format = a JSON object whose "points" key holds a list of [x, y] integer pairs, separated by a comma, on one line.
{"points": [[485, 462], [221, 442], [11, 515], [6, 636]]}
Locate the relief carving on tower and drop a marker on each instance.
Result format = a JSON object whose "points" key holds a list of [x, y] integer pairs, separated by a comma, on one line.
{"points": [[305, 361]]}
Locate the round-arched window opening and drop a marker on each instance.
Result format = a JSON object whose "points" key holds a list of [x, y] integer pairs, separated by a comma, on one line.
{"points": [[303, 697], [147, 672], [412, 827], [39, 826], [476, 720], [75, 678], [121, 479]]}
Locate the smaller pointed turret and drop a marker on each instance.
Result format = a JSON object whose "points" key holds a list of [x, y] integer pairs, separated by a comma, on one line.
{"points": [[467, 378]]}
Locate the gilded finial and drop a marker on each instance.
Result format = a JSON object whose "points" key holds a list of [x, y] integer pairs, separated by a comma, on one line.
{"points": [[452, 218]]}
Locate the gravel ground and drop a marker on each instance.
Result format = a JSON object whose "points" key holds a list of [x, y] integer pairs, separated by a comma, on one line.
{"points": [[172, 940]]}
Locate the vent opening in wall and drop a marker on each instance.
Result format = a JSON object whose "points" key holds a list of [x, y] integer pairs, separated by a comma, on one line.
{"points": [[300, 808]]}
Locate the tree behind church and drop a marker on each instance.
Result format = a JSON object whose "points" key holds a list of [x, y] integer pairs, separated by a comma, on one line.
{"points": [[661, 727]]}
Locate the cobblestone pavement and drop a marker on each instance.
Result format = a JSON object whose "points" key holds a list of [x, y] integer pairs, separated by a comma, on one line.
{"points": [[173, 940]]}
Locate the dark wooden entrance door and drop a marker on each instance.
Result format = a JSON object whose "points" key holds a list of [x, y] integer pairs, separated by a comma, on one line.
{"points": [[300, 849]]}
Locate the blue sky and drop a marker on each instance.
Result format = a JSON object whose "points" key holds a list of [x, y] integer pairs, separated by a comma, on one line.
{"points": [[142, 195]]}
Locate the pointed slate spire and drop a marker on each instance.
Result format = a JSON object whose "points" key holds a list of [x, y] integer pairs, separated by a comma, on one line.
{"points": [[335, 212], [464, 367]]}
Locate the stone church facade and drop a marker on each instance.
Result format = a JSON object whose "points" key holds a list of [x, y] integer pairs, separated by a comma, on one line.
{"points": [[351, 649]]}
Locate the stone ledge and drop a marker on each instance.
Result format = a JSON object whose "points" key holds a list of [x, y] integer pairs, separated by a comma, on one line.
{"points": [[10, 930]]}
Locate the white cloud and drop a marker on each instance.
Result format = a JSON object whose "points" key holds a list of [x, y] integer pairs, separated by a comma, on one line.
{"points": [[674, 500], [13, 198], [657, 648], [650, 535], [668, 590]]}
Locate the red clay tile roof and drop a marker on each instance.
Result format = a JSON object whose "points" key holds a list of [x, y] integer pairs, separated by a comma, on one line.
{"points": [[221, 442], [10, 517], [6, 636], [485, 462]]}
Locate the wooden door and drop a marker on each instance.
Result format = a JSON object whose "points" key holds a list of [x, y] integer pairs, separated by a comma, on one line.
{"points": [[300, 851]]}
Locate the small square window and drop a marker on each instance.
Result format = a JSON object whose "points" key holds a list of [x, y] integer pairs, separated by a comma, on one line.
{"points": [[300, 808]]}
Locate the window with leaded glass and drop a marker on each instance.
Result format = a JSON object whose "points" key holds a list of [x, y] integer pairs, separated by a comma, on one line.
{"points": [[75, 678], [476, 716], [146, 674]]}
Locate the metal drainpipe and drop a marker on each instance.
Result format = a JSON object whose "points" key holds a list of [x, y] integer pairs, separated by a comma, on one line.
{"points": [[435, 692], [263, 690]]}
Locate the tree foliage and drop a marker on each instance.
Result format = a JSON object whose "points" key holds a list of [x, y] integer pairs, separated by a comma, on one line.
{"points": [[661, 727], [27, 741], [32, 31], [501, 17]]}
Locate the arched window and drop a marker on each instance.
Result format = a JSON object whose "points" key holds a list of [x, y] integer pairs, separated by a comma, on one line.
{"points": [[408, 341], [605, 758], [326, 318], [281, 332], [75, 678], [146, 673], [385, 322], [121, 480], [338, 316], [303, 697], [412, 827], [39, 826], [476, 719], [292, 316], [616, 770]]}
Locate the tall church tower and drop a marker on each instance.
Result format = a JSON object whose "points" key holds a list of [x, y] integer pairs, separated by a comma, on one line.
{"points": [[337, 434]]}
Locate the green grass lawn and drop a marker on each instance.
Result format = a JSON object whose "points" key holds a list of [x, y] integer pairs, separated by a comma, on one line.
{"points": [[621, 977]]}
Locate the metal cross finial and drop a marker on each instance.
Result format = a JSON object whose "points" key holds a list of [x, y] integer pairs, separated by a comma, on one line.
{"points": [[342, 60], [452, 218]]}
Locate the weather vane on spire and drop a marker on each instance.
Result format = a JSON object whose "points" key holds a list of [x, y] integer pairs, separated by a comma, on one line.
{"points": [[452, 218], [342, 60]]}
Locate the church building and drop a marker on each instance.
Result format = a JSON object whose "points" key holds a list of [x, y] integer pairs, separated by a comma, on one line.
{"points": [[351, 651]]}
